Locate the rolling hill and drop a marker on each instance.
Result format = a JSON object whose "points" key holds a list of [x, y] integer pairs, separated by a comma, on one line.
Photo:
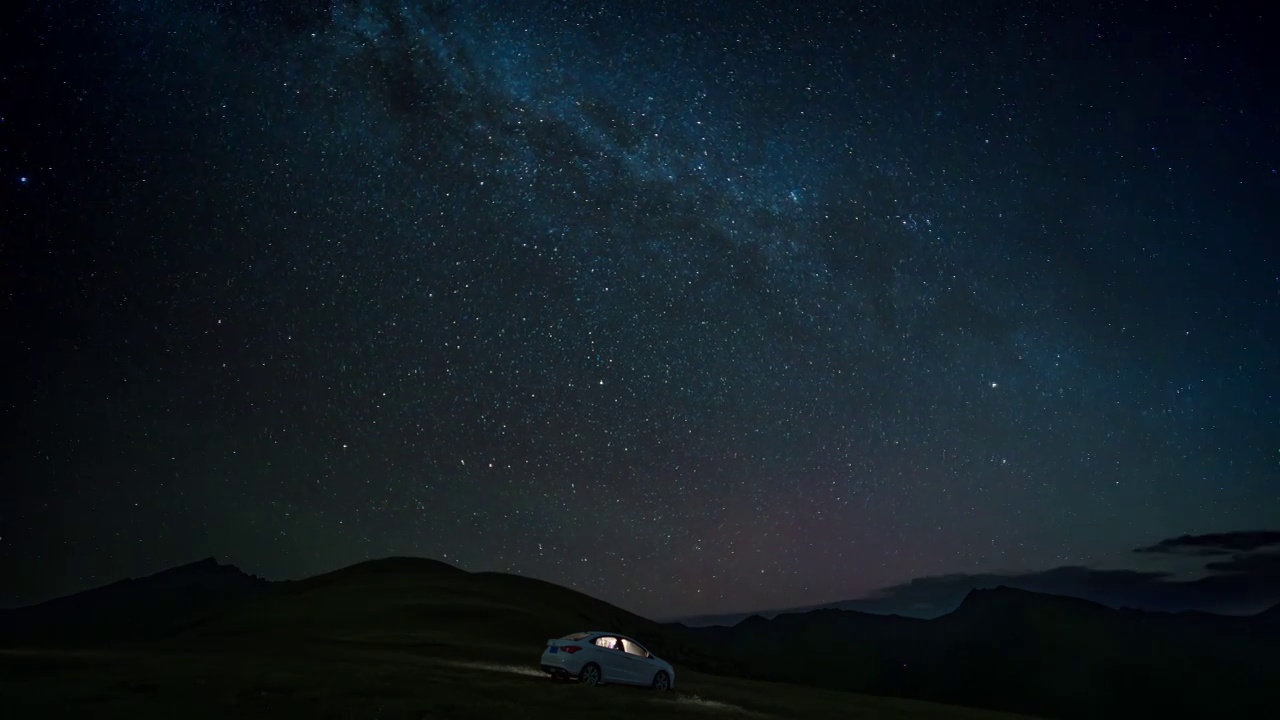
{"points": [[413, 601], [394, 638], [1001, 649]]}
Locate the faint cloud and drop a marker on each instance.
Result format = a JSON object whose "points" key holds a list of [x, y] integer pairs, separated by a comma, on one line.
{"points": [[1243, 577], [1216, 543], [1233, 573]]}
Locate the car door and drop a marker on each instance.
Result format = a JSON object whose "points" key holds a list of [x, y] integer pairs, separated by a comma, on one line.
{"points": [[613, 663], [640, 668]]}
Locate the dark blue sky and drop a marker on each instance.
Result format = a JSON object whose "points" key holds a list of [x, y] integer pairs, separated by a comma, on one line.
{"points": [[695, 306]]}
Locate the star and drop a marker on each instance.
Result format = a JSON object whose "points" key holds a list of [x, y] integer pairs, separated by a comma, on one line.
{"points": [[787, 247]]}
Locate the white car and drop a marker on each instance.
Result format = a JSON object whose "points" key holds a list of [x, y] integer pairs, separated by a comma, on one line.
{"points": [[599, 657]]}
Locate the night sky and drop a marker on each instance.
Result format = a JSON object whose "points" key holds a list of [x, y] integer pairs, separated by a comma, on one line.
{"points": [[695, 306]]}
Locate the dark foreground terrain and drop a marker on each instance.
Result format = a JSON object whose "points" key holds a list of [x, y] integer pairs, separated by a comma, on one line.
{"points": [[383, 680], [404, 637], [390, 639]]}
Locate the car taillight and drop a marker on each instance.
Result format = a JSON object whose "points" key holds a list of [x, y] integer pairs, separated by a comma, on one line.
{"points": [[571, 649]]}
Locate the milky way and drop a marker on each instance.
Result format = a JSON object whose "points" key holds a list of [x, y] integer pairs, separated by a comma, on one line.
{"points": [[693, 306]]}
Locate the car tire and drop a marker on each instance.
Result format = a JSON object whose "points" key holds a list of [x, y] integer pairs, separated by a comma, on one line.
{"points": [[661, 681], [589, 674]]}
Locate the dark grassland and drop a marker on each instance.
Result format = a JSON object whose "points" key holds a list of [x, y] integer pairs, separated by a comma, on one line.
{"points": [[397, 638], [383, 680]]}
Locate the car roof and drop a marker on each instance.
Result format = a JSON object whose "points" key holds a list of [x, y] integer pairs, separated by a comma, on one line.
{"points": [[613, 634]]}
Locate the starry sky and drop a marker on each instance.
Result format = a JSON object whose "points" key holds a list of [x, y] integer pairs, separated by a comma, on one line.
{"points": [[695, 306]]}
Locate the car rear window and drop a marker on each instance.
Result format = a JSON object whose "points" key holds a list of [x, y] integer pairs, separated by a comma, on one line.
{"points": [[575, 636]]}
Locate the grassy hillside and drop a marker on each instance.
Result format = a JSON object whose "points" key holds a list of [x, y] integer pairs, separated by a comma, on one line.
{"points": [[422, 603], [374, 680], [397, 638]]}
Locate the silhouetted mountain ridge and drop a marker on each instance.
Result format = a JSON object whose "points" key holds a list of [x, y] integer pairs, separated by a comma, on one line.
{"points": [[1012, 649], [396, 565], [1004, 604], [133, 609]]}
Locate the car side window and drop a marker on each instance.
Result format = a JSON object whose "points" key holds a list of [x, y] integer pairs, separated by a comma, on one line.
{"points": [[634, 648], [606, 642]]}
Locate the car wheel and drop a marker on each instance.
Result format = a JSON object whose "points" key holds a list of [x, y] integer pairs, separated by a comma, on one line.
{"points": [[590, 674], [661, 681]]}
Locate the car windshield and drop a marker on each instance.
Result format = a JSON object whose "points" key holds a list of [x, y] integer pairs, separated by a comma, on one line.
{"points": [[574, 636]]}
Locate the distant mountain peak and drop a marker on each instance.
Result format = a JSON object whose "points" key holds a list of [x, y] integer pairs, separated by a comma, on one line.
{"points": [[133, 608], [997, 591], [1003, 598], [202, 565], [208, 567], [983, 597], [403, 564]]}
